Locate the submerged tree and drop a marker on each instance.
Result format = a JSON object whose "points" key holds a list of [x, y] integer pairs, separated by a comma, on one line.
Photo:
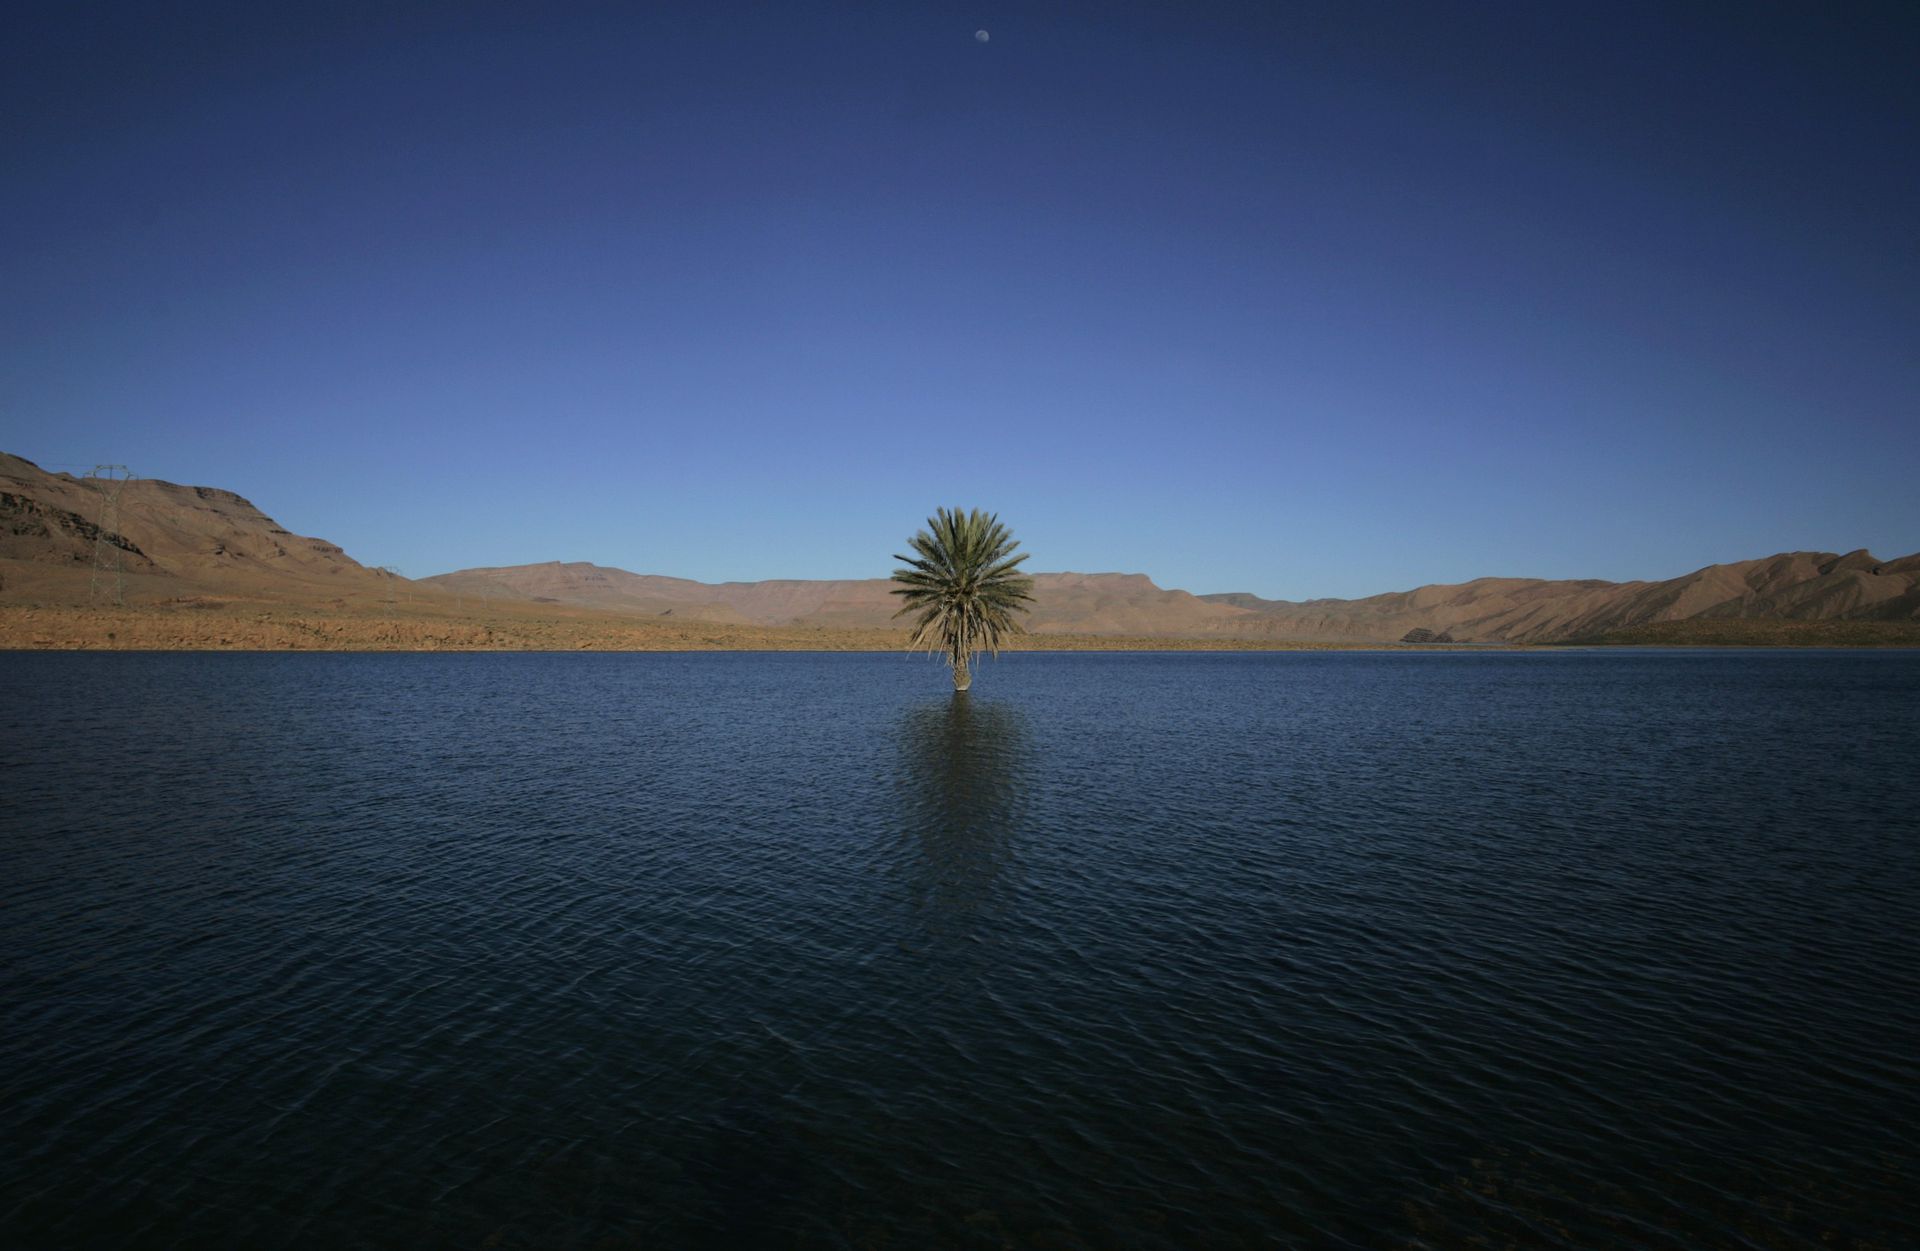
{"points": [[963, 587]]}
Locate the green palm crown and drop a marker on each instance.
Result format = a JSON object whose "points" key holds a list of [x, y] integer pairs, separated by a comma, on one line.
{"points": [[962, 585]]}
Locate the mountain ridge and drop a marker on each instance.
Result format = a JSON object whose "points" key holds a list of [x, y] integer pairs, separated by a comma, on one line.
{"points": [[1807, 586], [185, 541]]}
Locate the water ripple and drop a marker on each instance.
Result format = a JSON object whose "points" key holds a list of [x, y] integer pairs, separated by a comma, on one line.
{"points": [[1144, 951]]}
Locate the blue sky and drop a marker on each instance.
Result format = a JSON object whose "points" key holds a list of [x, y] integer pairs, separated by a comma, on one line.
{"points": [[1301, 300]]}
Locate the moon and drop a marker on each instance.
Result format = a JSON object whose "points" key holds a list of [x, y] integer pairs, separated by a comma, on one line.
{"points": [[982, 35]]}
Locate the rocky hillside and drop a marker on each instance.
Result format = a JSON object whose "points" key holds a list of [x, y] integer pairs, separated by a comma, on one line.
{"points": [[171, 538]]}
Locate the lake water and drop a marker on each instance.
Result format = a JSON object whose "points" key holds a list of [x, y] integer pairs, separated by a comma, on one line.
{"points": [[1182, 950]]}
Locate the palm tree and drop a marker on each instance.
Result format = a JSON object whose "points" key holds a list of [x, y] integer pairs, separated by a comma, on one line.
{"points": [[964, 587]]}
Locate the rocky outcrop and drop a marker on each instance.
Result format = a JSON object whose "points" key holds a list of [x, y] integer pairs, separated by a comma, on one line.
{"points": [[33, 530]]}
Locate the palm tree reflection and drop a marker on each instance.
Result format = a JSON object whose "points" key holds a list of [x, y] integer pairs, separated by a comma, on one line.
{"points": [[964, 778]]}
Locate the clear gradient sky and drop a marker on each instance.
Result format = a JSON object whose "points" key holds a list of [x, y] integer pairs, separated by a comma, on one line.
{"points": [[1295, 299]]}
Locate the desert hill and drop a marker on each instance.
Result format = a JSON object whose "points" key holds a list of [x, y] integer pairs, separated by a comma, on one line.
{"points": [[1088, 603], [203, 547], [171, 540], [1792, 586]]}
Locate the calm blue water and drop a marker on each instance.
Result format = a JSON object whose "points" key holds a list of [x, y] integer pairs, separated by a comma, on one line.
{"points": [[1369, 950]]}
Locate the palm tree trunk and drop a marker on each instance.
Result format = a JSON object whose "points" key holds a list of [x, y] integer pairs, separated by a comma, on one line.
{"points": [[962, 679]]}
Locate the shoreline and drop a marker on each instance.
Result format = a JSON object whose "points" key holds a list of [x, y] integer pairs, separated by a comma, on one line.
{"points": [[266, 626], [269, 627]]}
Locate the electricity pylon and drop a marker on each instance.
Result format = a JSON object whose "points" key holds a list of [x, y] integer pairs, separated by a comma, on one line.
{"points": [[392, 595], [108, 569]]}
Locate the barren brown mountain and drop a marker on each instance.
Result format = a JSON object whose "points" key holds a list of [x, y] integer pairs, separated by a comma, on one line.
{"points": [[204, 567], [1793, 586], [171, 540], [1085, 603]]}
